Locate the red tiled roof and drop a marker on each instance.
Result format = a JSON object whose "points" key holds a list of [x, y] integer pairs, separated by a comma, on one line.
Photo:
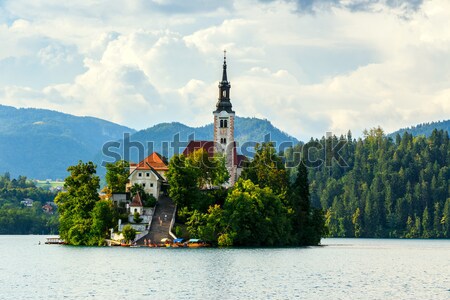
{"points": [[47, 207], [208, 146], [137, 202], [155, 160]]}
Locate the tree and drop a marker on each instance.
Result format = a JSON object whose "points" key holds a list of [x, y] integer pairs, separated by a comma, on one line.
{"points": [[76, 204], [267, 169], [211, 171], [256, 216], [104, 217], [207, 226], [137, 217], [305, 231], [183, 181], [129, 233], [117, 175], [445, 220]]}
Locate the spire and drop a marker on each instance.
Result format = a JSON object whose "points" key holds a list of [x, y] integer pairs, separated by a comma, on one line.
{"points": [[224, 74], [223, 102]]}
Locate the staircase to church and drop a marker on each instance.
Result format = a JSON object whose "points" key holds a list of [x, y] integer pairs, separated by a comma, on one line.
{"points": [[159, 230]]}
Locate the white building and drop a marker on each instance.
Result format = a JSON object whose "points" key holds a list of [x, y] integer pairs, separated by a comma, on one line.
{"points": [[150, 174]]}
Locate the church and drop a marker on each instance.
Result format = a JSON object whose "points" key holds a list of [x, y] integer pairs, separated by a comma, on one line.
{"points": [[223, 142], [150, 173]]}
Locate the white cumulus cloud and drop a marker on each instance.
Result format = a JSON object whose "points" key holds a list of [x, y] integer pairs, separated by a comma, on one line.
{"points": [[308, 66]]}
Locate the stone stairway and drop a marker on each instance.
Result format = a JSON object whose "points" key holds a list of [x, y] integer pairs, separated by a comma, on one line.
{"points": [[159, 230]]}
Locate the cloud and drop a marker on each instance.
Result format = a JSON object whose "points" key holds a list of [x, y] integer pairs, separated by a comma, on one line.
{"points": [[308, 66], [313, 6]]}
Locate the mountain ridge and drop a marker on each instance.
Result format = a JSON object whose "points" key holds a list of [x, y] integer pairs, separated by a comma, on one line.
{"points": [[42, 144], [424, 128]]}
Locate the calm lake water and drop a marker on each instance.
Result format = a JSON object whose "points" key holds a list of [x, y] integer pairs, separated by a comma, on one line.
{"points": [[341, 269]]}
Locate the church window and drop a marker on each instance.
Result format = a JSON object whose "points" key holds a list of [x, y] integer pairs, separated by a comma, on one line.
{"points": [[151, 184], [143, 185], [223, 123], [147, 174], [139, 174], [223, 141]]}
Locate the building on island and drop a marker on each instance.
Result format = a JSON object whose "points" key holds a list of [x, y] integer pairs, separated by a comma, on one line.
{"points": [[150, 173], [223, 142], [136, 205]]}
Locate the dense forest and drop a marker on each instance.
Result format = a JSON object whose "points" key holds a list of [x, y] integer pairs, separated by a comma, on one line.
{"points": [[381, 186], [17, 218], [424, 129], [262, 209]]}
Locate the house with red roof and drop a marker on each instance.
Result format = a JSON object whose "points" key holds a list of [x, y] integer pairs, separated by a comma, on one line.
{"points": [[150, 173], [136, 205]]}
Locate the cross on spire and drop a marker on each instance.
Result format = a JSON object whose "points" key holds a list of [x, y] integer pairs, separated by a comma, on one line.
{"points": [[224, 73]]}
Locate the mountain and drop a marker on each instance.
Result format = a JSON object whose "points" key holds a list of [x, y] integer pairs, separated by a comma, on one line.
{"points": [[172, 138], [424, 129], [41, 143]]}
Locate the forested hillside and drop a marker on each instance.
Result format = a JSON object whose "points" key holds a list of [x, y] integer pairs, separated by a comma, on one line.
{"points": [[16, 218], [246, 130], [41, 144], [392, 187], [424, 129]]}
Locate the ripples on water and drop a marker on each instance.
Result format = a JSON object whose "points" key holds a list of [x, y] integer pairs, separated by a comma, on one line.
{"points": [[341, 269]]}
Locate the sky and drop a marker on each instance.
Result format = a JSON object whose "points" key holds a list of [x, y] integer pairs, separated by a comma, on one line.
{"points": [[308, 66]]}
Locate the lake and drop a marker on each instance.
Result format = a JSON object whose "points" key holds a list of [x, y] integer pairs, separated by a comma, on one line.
{"points": [[340, 269]]}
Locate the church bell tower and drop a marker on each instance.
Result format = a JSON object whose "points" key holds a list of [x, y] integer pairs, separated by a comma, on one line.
{"points": [[224, 124]]}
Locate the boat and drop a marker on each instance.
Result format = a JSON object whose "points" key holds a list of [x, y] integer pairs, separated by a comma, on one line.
{"points": [[179, 242], [55, 241], [197, 243]]}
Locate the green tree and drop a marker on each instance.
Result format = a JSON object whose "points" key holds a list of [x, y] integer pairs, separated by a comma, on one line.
{"points": [[356, 220], [445, 220], [256, 216], [137, 217], [129, 233], [207, 226], [211, 171], [267, 169], [76, 204], [117, 176], [104, 217], [306, 231], [426, 224], [183, 180]]}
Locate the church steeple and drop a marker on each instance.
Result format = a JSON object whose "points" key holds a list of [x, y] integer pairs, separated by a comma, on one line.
{"points": [[224, 125], [223, 103], [224, 74]]}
